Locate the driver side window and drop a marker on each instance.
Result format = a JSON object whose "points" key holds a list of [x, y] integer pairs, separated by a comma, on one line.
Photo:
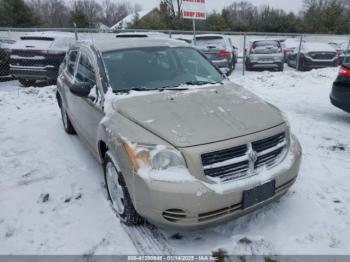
{"points": [[86, 74], [85, 71], [71, 61]]}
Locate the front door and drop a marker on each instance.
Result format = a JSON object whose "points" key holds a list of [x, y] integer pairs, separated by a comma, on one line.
{"points": [[88, 111]]}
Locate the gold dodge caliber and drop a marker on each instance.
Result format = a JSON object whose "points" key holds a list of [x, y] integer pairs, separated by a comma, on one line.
{"points": [[180, 144]]}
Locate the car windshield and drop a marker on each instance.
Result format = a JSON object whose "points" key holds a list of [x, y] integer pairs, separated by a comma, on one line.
{"points": [[265, 43], [158, 68]]}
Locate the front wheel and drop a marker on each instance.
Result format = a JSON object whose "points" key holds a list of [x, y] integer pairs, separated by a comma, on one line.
{"points": [[67, 125], [26, 83], [118, 194]]}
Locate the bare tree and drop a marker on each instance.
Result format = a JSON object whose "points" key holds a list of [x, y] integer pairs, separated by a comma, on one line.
{"points": [[173, 7], [52, 13], [90, 8], [114, 12]]}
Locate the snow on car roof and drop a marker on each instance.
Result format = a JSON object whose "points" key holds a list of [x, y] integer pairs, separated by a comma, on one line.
{"points": [[314, 46], [125, 43], [140, 34], [52, 34]]}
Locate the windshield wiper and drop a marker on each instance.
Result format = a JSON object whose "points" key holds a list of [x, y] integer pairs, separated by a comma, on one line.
{"points": [[199, 83], [138, 89], [173, 88]]}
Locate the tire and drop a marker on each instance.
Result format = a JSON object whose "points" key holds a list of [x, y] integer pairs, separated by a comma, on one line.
{"points": [[67, 124], [26, 83], [121, 201], [281, 68], [52, 82]]}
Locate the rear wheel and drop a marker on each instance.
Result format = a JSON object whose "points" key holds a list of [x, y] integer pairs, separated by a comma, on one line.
{"points": [[26, 83], [118, 194], [281, 68]]}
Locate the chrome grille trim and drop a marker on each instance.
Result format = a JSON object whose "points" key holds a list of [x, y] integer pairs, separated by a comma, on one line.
{"points": [[245, 160]]}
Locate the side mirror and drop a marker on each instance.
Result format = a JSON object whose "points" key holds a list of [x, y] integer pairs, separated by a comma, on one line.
{"points": [[81, 89]]}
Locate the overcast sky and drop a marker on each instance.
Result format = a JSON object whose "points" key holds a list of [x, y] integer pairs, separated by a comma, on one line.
{"points": [[288, 5]]}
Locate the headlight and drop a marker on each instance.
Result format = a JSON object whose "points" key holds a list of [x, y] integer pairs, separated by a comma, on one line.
{"points": [[154, 157], [285, 118]]}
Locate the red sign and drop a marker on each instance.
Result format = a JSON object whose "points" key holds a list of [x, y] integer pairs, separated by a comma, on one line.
{"points": [[194, 9]]}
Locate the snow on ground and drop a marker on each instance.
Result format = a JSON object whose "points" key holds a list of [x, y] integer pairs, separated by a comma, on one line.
{"points": [[51, 189], [53, 201]]}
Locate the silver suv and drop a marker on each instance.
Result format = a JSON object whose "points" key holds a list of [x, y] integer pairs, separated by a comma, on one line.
{"points": [[180, 144], [265, 54]]}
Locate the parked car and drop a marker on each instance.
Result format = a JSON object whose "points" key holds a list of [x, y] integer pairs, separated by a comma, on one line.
{"points": [[141, 35], [313, 55], [289, 45], [5, 46], [265, 54], [340, 95], [37, 56], [342, 52], [219, 49], [180, 144]]}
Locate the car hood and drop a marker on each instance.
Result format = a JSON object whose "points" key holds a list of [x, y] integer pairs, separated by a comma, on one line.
{"points": [[200, 115]]}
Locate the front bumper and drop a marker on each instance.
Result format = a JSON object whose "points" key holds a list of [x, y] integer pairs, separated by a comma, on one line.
{"points": [[34, 72], [195, 204], [340, 97]]}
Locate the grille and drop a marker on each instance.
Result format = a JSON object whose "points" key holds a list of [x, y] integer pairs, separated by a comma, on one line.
{"points": [[322, 55], [240, 161], [174, 215]]}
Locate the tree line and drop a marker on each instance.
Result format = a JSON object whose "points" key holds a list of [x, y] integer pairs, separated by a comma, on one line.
{"points": [[316, 16]]}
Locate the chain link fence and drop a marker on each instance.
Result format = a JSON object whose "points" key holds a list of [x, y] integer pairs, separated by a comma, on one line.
{"points": [[46, 63]]}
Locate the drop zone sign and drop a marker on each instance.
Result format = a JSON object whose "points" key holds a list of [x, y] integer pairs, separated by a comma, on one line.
{"points": [[194, 9]]}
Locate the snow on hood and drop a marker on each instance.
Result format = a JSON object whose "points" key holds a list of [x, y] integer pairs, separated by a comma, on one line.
{"points": [[200, 116]]}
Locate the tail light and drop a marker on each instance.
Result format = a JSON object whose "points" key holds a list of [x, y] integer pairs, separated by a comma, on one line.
{"points": [[338, 52], [344, 72], [289, 50], [224, 54]]}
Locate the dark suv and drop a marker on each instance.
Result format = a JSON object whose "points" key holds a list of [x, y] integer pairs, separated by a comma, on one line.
{"points": [[38, 56], [5, 45]]}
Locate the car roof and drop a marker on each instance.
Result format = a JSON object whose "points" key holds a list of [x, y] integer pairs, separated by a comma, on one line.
{"points": [[51, 34], [137, 34], [126, 43], [316, 46]]}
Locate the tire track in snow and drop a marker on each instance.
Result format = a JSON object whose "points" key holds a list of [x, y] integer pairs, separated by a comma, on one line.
{"points": [[148, 240]]}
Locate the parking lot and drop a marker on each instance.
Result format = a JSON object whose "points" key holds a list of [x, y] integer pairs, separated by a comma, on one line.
{"points": [[53, 193]]}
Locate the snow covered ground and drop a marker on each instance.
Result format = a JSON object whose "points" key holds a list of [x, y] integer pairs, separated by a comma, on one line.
{"points": [[52, 197]]}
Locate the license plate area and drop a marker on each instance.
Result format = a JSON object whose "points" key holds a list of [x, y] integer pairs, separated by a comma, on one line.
{"points": [[265, 61], [258, 194]]}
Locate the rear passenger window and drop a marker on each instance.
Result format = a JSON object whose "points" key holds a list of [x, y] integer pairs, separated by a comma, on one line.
{"points": [[85, 72], [72, 59]]}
